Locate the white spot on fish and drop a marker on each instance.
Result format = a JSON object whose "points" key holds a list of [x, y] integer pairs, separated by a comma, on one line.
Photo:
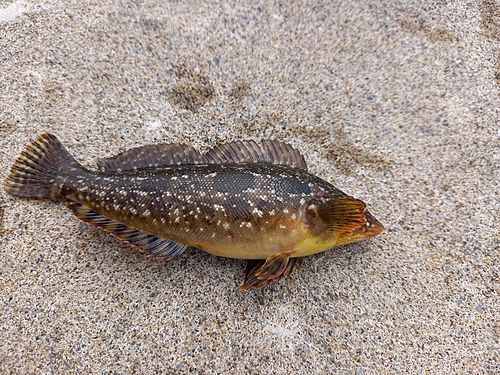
{"points": [[257, 212]]}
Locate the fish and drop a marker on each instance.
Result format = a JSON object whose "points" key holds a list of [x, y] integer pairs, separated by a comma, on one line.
{"points": [[240, 200]]}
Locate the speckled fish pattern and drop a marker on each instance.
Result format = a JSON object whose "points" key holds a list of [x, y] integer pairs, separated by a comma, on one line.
{"points": [[240, 200]]}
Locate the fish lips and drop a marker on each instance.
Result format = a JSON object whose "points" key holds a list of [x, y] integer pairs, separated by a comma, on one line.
{"points": [[371, 228]]}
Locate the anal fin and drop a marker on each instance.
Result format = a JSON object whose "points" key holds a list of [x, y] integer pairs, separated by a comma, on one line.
{"points": [[261, 272], [154, 246]]}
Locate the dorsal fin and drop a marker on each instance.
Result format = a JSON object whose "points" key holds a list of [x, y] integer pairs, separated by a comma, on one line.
{"points": [[158, 155], [269, 151], [165, 154], [157, 247]]}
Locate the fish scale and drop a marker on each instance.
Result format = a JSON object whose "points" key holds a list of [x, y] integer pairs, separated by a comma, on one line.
{"points": [[239, 200], [228, 200]]}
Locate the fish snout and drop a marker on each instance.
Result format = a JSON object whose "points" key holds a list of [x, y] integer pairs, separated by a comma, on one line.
{"points": [[372, 227]]}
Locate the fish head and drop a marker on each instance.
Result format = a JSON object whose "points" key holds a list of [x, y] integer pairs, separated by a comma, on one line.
{"points": [[370, 228], [340, 221]]}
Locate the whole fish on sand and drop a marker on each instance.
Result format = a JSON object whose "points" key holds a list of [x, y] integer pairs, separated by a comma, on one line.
{"points": [[239, 200]]}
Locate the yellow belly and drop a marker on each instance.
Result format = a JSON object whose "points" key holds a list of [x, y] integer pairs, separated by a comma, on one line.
{"points": [[299, 240]]}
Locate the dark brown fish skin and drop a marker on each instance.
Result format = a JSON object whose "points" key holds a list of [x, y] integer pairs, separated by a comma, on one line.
{"points": [[239, 200], [198, 204]]}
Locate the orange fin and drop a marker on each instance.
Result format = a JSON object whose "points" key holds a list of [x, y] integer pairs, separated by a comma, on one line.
{"points": [[150, 156], [341, 215], [269, 151], [157, 247], [261, 272]]}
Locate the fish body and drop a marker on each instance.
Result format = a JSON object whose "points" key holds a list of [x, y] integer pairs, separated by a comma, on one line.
{"points": [[240, 200]]}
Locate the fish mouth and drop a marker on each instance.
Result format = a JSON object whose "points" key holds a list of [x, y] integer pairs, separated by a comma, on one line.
{"points": [[371, 228]]}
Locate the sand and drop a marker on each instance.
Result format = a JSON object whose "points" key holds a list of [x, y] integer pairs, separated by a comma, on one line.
{"points": [[396, 103]]}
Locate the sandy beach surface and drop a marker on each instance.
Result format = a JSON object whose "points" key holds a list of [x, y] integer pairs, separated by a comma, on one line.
{"points": [[395, 102]]}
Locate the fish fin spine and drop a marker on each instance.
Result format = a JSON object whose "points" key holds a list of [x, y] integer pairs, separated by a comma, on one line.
{"points": [[150, 156], [34, 173], [341, 215], [264, 271], [171, 154], [268, 152], [154, 246]]}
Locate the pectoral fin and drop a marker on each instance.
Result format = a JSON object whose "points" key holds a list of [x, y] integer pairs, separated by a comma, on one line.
{"points": [[339, 215], [261, 272]]}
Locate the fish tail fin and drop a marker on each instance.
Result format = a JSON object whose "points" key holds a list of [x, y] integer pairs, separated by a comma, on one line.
{"points": [[34, 173]]}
